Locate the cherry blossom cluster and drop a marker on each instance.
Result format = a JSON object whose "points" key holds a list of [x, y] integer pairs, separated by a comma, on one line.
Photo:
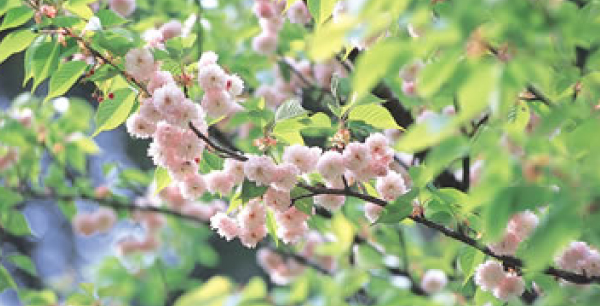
{"points": [[519, 227], [155, 38], [165, 115], [434, 281], [580, 258], [220, 88], [283, 271], [358, 162], [490, 276], [270, 15], [121, 7], [99, 221], [153, 222]]}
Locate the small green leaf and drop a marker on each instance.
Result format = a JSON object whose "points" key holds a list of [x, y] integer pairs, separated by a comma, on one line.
{"points": [[80, 9], [6, 280], [45, 61], [16, 17], [305, 205], [329, 39], [15, 42], [251, 190], [469, 258], [374, 64], [399, 209], [113, 112], [9, 198], [16, 223], [213, 292], [272, 227], [375, 115], [23, 262], [321, 9], [290, 109], [109, 18], [67, 74], [161, 180], [6, 5], [256, 289]]}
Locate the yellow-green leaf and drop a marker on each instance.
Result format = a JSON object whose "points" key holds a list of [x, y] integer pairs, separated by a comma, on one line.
{"points": [[67, 74], [15, 42], [162, 179], [212, 293], [375, 115], [113, 112]]}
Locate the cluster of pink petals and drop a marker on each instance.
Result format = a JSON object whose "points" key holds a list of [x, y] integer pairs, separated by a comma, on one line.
{"points": [[580, 258], [249, 226], [271, 20], [220, 88], [99, 221], [434, 281], [122, 7], [490, 276], [283, 271], [519, 227]]}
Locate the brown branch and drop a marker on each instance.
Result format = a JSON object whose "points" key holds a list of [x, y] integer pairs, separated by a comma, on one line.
{"points": [[508, 261], [228, 152]]}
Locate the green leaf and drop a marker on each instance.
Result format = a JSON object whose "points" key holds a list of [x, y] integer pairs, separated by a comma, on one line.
{"points": [[22, 262], [109, 18], [374, 64], [28, 61], [9, 198], [290, 109], [305, 205], [79, 8], [80, 299], [329, 39], [560, 226], [6, 280], [321, 9], [256, 289], [6, 5], [113, 112], [478, 92], [425, 134], [67, 74], [367, 257], [469, 258], [45, 61], [299, 290], [16, 17], [375, 115], [161, 179], [16, 223], [343, 231], [351, 280], [214, 292], [272, 227], [399, 209], [444, 154], [435, 75], [15, 42], [251, 190]]}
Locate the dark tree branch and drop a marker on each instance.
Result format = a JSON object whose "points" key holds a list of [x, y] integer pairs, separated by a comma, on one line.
{"points": [[508, 261]]}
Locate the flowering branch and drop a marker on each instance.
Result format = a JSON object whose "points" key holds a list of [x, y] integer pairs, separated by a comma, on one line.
{"points": [[508, 261]]}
